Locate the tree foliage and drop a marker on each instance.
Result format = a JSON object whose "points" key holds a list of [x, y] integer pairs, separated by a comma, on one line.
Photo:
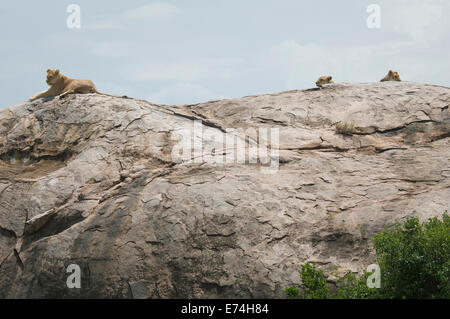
{"points": [[414, 260]]}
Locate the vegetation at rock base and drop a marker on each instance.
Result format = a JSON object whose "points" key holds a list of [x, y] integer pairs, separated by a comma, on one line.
{"points": [[414, 261], [345, 128]]}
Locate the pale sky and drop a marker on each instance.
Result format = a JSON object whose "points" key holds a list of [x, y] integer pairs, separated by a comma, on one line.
{"points": [[176, 52]]}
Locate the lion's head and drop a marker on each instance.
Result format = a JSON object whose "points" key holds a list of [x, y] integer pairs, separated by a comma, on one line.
{"points": [[324, 80], [392, 76], [53, 76]]}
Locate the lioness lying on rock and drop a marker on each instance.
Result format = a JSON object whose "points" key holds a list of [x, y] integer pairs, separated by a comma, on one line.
{"points": [[324, 80], [391, 76], [61, 85]]}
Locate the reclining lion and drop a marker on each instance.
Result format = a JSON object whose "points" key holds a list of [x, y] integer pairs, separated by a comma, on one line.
{"points": [[61, 85], [324, 80], [391, 76]]}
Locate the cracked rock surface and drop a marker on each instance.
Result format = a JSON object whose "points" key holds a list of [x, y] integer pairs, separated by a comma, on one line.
{"points": [[92, 180]]}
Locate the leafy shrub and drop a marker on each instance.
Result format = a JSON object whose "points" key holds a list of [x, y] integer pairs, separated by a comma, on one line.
{"points": [[350, 287], [414, 260], [292, 292], [314, 283]]}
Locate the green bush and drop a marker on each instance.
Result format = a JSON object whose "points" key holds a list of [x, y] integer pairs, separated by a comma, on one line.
{"points": [[315, 286], [314, 283], [292, 292], [414, 260], [351, 287]]}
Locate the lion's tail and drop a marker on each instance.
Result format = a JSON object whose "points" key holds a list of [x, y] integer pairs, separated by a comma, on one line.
{"points": [[106, 94]]}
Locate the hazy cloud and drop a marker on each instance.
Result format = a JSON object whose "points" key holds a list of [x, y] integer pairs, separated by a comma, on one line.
{"points": [[183, 93], [105, 24], [184, 70], [156, 10], [110, 49], [420, 20]]}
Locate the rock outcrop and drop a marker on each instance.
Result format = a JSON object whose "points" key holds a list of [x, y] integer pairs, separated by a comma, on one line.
{"points": [[98, 182]]}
